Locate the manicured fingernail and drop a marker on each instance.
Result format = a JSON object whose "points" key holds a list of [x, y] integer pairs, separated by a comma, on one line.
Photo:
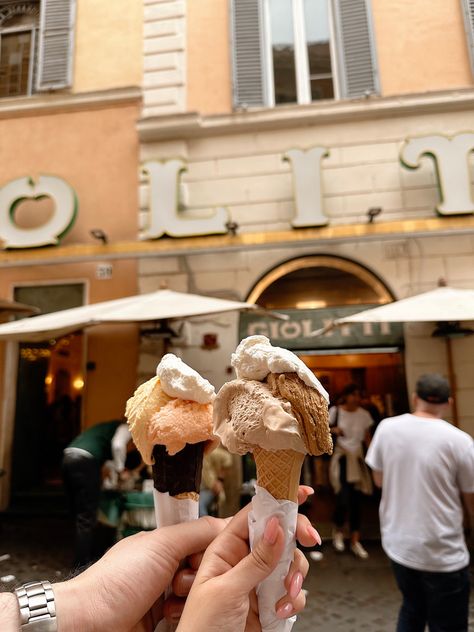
{"points": [[296, 583], [314, 534], [186, 581], [271, 530], [284, 611]]}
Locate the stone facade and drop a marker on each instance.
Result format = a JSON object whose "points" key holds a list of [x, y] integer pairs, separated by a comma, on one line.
{"points": [[246, 173], [163, 57]]}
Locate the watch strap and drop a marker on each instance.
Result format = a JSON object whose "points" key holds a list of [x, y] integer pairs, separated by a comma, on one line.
{"points": [[37, 607]]}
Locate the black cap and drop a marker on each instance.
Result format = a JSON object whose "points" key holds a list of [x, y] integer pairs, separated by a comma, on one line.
{"points": [[433, 388]]}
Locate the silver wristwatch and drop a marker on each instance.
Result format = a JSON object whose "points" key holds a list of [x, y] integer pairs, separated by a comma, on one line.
{"points": [[37, 608]]}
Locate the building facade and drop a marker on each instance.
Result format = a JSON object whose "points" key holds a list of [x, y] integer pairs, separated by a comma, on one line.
{"points": [[312, 156], [70, 97], [310, 137]]}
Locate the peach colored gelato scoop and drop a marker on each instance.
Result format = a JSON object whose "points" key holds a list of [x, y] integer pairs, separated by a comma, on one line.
{"points": [[172, 409]]}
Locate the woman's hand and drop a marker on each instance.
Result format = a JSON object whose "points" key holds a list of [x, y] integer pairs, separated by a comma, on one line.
{"points": [[223, 598], [120, 591]]}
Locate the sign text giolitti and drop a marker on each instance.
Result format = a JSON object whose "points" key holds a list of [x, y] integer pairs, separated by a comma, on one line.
{"points": [[450, 156]]}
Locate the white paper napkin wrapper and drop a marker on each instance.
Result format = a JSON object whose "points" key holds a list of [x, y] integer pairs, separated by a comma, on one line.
{"points": [[264, 506], [170, 511]]}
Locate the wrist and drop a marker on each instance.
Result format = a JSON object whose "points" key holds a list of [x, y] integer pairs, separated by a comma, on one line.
{"points": [[9, 612], [72, 609]]}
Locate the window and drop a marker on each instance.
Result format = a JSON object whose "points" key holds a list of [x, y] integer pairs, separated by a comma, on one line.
{"points": [[18, 37], [468, 11], [36, 45], [299, 51]]}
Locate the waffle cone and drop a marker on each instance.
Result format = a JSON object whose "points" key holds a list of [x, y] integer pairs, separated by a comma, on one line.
{"points": [[190, 495], [279, 472]]}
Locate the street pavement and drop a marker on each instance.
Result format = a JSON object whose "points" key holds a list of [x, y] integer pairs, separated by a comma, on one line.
{"points": [[345, 594]]}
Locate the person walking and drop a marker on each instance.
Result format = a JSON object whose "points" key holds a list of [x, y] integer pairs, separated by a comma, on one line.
{"points": [[425, 466], [348, 473], [82, 476]]}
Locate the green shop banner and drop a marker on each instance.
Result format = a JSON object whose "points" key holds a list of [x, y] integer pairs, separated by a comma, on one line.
{"points": [[295, 333]]}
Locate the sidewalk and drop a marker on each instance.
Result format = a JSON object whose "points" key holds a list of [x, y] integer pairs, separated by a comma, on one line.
{"points": [[346, 594]]}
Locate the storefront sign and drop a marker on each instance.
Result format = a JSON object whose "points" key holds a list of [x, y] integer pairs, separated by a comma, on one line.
{"points": [[165, 218], [451, 167], [451, 157], [295, 333], [64, 214]]}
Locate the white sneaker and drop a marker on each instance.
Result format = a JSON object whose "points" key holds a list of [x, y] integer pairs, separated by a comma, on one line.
{"points": [[338, 541], [359, 551], [316, 556]]}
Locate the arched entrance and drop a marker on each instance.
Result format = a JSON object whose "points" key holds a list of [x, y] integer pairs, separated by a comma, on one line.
{"points": [[312, 291]]}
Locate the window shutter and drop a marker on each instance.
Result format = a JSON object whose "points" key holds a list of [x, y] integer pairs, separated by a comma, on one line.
{"points": [[56, 44], [247, 53], [356, 48], [468, 10]]}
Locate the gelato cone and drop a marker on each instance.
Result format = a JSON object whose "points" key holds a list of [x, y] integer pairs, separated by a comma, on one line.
{"points": [[278, 410], [279, 472], [170, 418]]}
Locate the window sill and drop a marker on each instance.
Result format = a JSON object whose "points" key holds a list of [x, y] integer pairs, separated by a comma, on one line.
{"points": [[48, 102], [193, 124]]}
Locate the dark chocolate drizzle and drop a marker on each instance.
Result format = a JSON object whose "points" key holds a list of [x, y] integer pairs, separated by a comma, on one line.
{"points": [[179, 473]]}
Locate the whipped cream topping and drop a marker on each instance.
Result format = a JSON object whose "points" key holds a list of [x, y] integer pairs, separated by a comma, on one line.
{"points": [[179, 380], [256, 357]]}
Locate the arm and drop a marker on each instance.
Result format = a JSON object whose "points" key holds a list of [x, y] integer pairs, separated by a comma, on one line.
{"points": [[119, 446], [378, 477], [367, 438], [468, 502]]}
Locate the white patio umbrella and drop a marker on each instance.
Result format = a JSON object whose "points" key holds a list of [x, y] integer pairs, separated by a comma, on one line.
{"points": [[442, 305], [162, 305]]}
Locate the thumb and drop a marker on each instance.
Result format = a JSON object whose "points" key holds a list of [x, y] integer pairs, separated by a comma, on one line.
{"points": [[261, 561]]}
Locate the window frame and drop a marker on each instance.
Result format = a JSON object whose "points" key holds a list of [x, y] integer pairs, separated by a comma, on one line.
{"points": [[303, 76], [33, 29]]}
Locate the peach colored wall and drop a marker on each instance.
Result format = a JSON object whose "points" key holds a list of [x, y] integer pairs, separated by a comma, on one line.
{"points": [[421, 46], [109, 44], [96, 151], [209, 89]]}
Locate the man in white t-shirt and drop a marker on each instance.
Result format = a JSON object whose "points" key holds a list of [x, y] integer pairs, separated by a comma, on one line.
{"points": [[424, 466]]}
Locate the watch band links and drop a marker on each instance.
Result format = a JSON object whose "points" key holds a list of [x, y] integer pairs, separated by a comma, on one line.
{"points": [[37, 607]]}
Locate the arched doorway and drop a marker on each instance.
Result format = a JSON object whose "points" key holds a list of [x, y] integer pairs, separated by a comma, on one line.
{"points": [[312, 291]]}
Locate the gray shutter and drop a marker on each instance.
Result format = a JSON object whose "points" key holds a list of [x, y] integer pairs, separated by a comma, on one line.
{"points": [[56, 44], [468, 11], [356, 48], [247, 53]]}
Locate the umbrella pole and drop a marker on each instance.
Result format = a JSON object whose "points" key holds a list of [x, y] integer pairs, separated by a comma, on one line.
{"points": [[452, 380]]}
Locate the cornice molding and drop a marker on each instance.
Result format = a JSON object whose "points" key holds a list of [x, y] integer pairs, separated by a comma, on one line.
{"points": [[215, 244], [193, 124], [41, 104]]}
